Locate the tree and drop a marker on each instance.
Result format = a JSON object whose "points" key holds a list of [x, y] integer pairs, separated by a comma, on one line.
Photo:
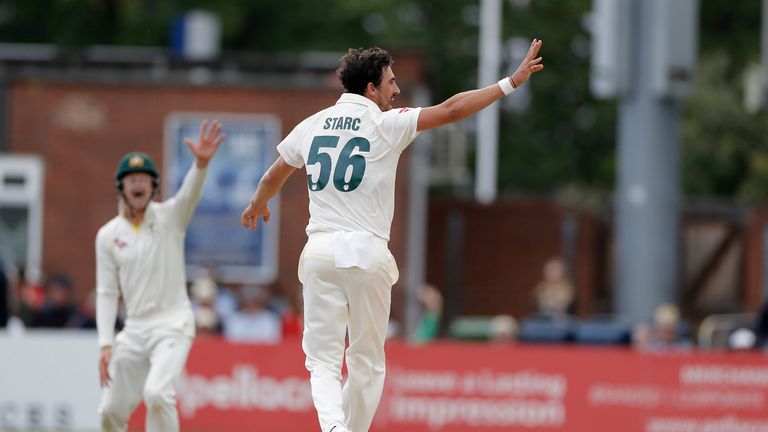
{"points": [[725, 148]]}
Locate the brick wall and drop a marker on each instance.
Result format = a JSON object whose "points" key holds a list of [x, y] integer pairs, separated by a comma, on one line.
{"points": [[500, 251], [81, 131]]}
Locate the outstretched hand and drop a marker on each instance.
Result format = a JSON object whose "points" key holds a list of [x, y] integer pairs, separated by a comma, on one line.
{"points": [[207, 142], [251, 214], [529, 65]]}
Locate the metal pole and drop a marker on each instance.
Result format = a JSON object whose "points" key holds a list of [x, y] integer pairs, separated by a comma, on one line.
{"points": [[416, 249], [486, 164], [648, 193]]}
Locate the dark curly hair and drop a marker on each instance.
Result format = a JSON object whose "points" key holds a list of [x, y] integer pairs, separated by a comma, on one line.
{"points": [[361, 66]]}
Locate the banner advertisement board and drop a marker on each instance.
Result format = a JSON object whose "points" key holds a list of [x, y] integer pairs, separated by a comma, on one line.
{"points": [[49, 381], [450, 387]]}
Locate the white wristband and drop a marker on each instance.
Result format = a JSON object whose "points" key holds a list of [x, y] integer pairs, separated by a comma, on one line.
{"points": [[506, 86]]}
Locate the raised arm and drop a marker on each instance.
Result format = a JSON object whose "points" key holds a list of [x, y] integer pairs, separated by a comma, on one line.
{"points": [[207, 143], [465, 104], [188, 196], [270, 184]]}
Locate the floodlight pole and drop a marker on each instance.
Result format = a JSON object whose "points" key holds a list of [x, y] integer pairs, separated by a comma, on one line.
{"points": [[648, 196], [486, 159]]}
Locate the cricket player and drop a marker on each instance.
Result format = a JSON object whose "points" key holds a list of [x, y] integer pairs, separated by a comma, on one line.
{"points": [[140, 256], [350, 152]]}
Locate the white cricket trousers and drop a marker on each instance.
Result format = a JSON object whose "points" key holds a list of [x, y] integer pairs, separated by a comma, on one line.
{"points": [[145, 365], [340, 301]]}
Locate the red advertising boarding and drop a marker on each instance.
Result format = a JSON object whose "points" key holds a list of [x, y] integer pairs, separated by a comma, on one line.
{"points": [[452, 387]]}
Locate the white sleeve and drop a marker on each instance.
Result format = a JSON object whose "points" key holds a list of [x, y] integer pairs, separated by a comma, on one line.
{"points": [[184, 203], [107, 290], [399, 126], [290, 147]]}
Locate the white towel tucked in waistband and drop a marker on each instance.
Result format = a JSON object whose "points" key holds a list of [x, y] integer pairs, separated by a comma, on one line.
{"points": [[353, 249]]}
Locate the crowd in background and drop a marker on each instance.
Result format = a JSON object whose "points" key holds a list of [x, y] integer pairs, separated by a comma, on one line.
{"points": [[240, 313], [553, 300], [51, 303], [244, 313], [255, 314]]}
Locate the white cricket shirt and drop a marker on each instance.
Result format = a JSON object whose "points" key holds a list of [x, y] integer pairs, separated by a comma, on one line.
{"points": [[146, 265], [351, 151]]}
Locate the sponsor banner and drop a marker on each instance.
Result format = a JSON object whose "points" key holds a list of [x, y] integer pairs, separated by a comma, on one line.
{"points": [[486, 388], [49, 381], [451, 387], [245, 387]]}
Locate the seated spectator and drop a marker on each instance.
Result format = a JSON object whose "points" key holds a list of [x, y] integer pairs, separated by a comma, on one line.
{"points": [[227, 300], [432, 309], [503, 329], [203, 294], [554, 294], [292, 316], [84, 316], [59, 305], [665, 333], [642, 335], [30, 296], [253, 322]]}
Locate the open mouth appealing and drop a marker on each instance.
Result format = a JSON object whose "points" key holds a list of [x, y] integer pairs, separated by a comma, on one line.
{"points": [[137, 194]]}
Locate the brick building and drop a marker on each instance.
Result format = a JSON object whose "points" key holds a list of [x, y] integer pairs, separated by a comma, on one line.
{"points": [[80, 114]]}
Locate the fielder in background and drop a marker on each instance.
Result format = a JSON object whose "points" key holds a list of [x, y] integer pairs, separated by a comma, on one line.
{"points": [[140, 255], [350, 152]]}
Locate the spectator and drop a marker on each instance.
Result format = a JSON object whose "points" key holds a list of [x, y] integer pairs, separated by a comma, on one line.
{"points": [[227, 302], [253, 322], [59, 305], [203, 293], [31, 297], [292, 316], [665, 333], [642, 334], [554, 294], [432, 309], [503, 329], [84, 316]]}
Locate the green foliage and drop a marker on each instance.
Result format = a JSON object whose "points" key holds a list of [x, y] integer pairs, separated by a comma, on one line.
{"points": [[565, 138], [62, 22], [731, 27], [725, 147]]}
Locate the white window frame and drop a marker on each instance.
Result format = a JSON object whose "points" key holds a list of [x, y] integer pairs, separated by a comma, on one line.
{"points": [[28, 194]]}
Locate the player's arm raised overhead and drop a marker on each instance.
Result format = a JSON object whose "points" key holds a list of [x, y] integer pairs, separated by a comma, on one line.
{"points": [[188, 196], [465, 104]]}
